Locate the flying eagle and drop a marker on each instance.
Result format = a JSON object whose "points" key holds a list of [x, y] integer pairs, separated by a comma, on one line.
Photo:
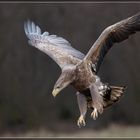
{"points": [[80, 70]]}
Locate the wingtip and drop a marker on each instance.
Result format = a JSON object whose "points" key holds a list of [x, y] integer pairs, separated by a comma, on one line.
{"points": [[138, 13], [26, 26], [31, 27]]}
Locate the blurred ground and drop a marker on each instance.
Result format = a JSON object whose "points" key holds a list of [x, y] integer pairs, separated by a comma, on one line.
{"points": [[113, 130]]}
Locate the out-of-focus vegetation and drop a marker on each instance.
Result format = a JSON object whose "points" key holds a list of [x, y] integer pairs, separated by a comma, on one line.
{"points": [[112, 131], [27, 75]]}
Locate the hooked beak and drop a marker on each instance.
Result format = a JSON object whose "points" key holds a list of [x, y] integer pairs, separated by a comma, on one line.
{"points": [[55, 92]]}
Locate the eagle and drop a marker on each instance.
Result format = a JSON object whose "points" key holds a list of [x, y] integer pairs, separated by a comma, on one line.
{"points": [[80, 70]]}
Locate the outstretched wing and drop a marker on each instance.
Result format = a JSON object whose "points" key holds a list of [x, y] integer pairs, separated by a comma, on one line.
{"points": [[59, 49], [112, 34]]}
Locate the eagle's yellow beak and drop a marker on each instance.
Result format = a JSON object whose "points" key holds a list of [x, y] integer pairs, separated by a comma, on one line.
{"points": [[55, 92]]}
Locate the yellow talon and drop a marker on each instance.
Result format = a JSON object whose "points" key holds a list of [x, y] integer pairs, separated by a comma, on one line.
{"points": [[94, 114], [81, 121]]}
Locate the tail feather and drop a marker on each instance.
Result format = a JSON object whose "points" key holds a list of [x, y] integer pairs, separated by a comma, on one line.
{"points": [[113, 94]]}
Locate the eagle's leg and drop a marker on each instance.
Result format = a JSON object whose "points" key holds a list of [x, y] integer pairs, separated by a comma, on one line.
{"points": [[82, 103], [97, 101]]}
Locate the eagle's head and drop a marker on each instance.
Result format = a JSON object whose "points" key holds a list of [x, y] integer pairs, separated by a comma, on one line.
{"points": [[66, 78]]}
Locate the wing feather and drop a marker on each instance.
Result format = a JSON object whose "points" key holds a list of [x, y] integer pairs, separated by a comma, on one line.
{"points": [[59, 49], [113, 34]]}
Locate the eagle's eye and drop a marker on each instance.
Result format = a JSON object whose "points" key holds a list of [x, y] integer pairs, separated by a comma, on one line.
{"points": [[58, 87]]}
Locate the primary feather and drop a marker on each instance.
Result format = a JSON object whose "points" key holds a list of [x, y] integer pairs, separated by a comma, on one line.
{"points": [[113, 34], [58, 48]]}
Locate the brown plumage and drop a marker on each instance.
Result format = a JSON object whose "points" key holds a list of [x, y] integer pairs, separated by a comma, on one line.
{"points": [[81, 70]]}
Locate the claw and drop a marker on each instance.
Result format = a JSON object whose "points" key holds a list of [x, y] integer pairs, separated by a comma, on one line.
{"points": [[94, 114], [81, 121]]}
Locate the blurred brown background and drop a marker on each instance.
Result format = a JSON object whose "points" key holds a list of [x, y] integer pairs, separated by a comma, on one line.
{"points": [[27, 75]]}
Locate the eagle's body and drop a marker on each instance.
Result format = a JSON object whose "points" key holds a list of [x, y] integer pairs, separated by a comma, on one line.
{"points": [[84, 76], [80, 70]]}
